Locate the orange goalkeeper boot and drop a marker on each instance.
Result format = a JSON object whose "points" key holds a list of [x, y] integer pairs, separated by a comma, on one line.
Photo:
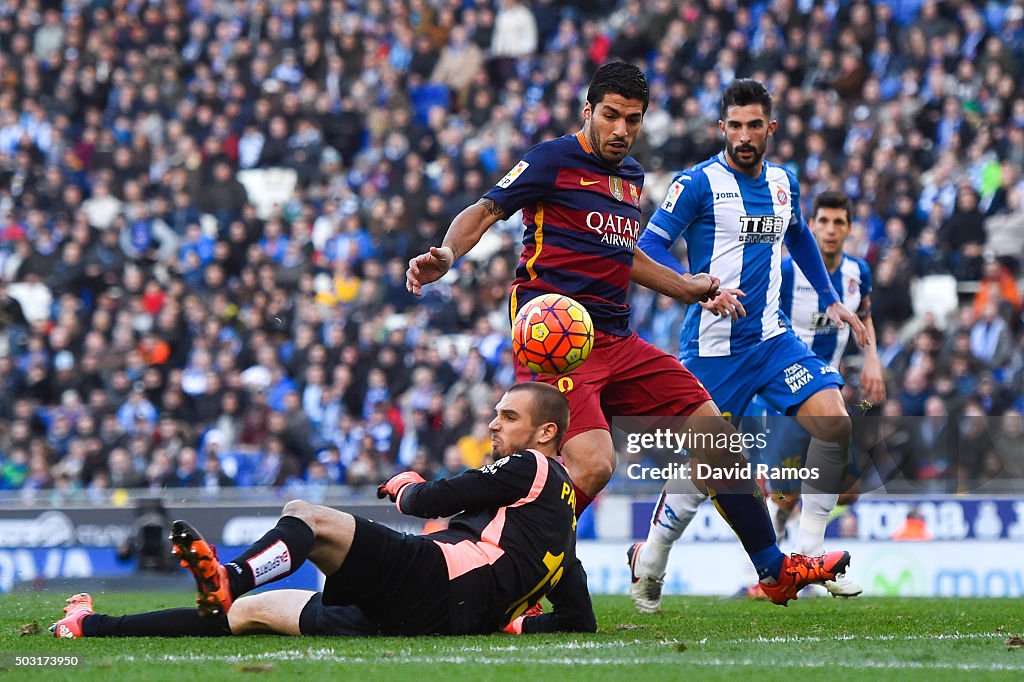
{"points": [[70, 626], [200, 558]]}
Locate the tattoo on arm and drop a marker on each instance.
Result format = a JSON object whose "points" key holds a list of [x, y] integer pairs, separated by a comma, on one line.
{"points": [[493, 208]]}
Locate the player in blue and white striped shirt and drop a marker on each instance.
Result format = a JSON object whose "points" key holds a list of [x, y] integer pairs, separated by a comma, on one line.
{"points": [[851, 278], [734, 212]]}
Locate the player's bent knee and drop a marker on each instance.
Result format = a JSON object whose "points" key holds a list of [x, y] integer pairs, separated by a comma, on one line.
{"points": [[243, 618], [603, 470], [837, 429], [297, 508], [303, 510]]}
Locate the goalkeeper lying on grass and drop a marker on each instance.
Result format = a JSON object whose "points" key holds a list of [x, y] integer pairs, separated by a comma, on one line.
{"points": [[511, 543]]}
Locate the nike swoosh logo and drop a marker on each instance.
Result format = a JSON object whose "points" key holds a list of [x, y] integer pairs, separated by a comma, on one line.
{"points": [[533, 312], [587, 183]]}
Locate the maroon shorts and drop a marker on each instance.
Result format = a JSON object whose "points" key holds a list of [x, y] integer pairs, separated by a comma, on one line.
{"points": [[624, 376]]}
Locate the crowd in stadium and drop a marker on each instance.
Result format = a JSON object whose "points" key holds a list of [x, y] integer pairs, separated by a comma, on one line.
{"points": [[163, 324]]}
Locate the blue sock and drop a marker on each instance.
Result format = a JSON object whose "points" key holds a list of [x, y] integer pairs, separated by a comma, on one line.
{"points": [[747, 513], [768, 562]]}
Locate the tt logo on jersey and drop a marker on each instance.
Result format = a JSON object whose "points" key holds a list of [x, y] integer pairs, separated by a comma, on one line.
{"points": [[761, 229], [821, 323]]}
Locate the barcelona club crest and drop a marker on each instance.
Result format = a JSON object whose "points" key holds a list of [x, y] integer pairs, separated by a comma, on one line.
{"points": [[634, 193], [615, 187]]}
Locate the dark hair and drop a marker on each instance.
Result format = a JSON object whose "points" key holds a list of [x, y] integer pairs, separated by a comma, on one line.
{"points": [[549, 405], [618, 78], [746, 91], [833, 199]]}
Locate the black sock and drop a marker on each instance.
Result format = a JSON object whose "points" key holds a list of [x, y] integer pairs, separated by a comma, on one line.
{"points": [[277, 554], [167, 623]]}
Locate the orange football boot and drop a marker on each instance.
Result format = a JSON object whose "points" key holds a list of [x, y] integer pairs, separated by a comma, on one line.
{"points": [[799, 571], [200, 558]]}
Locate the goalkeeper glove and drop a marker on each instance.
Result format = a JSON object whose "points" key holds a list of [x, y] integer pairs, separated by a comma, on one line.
{"points": [[516, 626], [396, 484]]}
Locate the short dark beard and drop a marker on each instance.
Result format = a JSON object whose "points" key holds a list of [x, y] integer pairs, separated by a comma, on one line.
{"points": [[741, 164], [596, 147]]}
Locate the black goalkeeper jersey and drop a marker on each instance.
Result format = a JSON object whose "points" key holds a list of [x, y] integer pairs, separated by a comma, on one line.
{"points": [[511, 542]]}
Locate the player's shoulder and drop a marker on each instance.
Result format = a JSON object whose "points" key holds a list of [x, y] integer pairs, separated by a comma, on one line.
{"points": [[695, 175], [517, 460], [856, 263], [780, 171], [554, 148], [690, 182], [569, 140]]}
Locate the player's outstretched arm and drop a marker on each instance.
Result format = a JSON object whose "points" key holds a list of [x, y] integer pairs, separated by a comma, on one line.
{"points": [[497, 485], [686, 288], [872, 382], [463, 234]]}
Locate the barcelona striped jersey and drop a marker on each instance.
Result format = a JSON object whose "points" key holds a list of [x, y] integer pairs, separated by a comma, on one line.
{"points": [[582, 221]]}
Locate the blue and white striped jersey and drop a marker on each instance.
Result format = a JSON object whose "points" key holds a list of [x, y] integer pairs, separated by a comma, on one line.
{"points": [[806, 312], [734, 227]]}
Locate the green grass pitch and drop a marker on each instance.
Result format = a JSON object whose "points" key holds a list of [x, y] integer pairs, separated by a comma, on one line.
{"points": [[692, 639]]}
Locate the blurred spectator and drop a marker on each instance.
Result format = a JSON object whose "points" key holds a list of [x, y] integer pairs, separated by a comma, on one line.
{"points": [[213, 476], [1006, 446], [474, 446], [122, 470], [1005, 230], [974, 441], [452, 464], [895, 448], [916, 391], [998, 287], [187, 474], [937, 441], [991, 342], [914, 528], [963, 234], [317, 483], [459, 61]]}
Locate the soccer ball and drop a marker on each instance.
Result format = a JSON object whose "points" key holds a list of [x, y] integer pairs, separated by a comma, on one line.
{"points": [[552, 334]]}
